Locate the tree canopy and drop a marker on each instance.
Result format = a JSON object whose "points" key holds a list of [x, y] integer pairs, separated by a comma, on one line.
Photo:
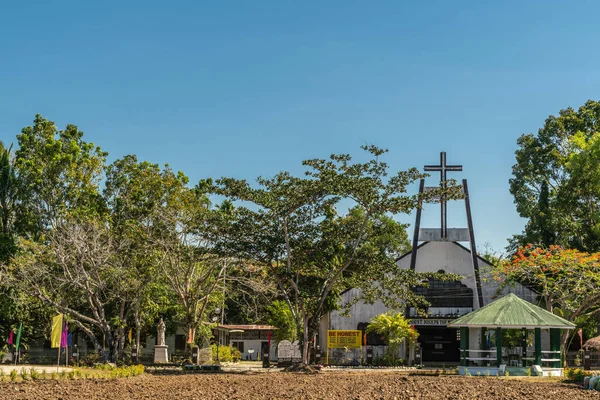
{"points": [[555, 181]]}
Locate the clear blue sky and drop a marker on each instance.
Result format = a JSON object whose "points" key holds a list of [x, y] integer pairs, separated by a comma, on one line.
{"points": [[248, 88]]}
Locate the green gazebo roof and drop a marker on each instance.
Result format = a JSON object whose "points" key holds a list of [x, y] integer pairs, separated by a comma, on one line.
{"points": [[511, 312]]}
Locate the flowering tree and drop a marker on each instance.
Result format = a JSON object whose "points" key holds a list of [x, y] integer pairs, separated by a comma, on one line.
{"points": [[568, 280]]}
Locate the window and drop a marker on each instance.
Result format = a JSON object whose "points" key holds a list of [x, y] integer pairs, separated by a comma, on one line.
{"points": [[446, 294], [239, 346]]}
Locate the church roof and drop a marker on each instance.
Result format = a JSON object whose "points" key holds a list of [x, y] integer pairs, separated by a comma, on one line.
{"points": [[408, 253], [511, 312]]}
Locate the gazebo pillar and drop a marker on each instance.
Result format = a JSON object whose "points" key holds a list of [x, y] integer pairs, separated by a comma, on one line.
{"points": [[555, 346], [538, 346], [499, 346], [464, 346]]}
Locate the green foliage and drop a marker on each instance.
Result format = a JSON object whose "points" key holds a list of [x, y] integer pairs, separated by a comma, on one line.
{"points": [[35, 375], [13, 375], [555, 181], [226, 354], [281, 317], [576, 374], [59, 174], [396, 330], [23, 373]]}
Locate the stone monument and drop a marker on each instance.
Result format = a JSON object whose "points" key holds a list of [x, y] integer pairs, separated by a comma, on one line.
{"points": [[161, 354]]}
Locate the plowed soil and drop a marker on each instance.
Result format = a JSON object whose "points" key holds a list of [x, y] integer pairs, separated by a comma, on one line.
{"points": [[296, 386]]}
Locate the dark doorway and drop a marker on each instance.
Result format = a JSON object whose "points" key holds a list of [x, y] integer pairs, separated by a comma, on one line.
{"points": [[439, 344]]}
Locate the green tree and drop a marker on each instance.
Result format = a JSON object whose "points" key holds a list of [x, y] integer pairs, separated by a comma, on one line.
{"points": [[396, 330], [134, 192], [554, 181], [312, 252], [59, 173], [8, 193], [281, 317]]}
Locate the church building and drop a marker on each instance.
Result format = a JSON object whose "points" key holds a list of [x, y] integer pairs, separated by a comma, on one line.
{"points": [[442, 249]]}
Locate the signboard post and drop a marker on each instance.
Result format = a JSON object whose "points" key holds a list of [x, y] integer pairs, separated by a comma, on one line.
{"points": [[343, 339]]}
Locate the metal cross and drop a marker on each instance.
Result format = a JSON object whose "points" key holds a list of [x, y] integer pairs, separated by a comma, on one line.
{"points": [[443, 168]]}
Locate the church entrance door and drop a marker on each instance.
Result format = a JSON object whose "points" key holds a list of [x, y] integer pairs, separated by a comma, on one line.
{"points": [[439, 344]]}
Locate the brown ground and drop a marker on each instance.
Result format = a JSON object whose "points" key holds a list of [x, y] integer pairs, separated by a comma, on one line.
{"points": [[297, 386]]}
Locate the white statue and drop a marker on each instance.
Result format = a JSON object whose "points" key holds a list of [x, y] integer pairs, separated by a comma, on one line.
{"points": [[161, 333]]}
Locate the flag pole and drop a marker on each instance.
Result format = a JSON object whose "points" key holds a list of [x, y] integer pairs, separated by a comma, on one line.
{"points": [[58, 360]]}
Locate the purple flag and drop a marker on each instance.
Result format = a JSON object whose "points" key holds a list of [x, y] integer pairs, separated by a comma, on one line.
{"points": [[64, 338], [10, 338]]}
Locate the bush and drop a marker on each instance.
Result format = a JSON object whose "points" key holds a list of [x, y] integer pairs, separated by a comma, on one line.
{"points": [[13, 375], [125, 372], [576, 374], [226, 354], [91, 358]]}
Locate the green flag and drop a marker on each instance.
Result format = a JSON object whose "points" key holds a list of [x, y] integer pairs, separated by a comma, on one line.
{"points": [[19, 337]]}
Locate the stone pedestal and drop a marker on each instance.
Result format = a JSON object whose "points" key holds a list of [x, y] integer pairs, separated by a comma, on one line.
{"points": [[161, 355]]}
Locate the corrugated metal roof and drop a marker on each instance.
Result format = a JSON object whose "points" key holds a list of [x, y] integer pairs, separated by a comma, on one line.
{"points": [[249, 327], [511, 312]]}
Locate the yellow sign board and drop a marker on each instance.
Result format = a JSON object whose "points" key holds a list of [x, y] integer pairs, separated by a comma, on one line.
{"points": [[341, 339]]}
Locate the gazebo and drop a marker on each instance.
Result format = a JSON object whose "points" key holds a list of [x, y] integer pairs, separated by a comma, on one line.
{"points": [[510, 312]]}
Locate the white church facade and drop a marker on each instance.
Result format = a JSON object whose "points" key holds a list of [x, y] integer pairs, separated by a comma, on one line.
{"points": [[434, 250]]}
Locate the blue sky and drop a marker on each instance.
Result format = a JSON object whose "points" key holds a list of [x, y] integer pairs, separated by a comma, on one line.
{"points": [[248, 88]]}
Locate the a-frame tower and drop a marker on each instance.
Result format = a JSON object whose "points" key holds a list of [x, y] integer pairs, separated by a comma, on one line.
{"points": [[444, 234]]}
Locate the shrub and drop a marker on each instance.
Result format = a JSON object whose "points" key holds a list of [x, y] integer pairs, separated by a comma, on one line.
{"points": [[35, 375], [226, 354], [23, 374], [576, 374], [13, 375], [91, 358]]}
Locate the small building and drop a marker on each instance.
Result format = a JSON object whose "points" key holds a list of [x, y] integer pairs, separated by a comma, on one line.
{"points": [[248, 339], [515, 355]]}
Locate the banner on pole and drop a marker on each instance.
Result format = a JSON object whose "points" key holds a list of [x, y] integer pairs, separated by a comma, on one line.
{"points": [[57, 327], [18, 341], [341, 339]]}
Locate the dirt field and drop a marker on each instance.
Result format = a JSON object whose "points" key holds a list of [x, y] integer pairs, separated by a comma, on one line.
{"points": [[296, 386]]}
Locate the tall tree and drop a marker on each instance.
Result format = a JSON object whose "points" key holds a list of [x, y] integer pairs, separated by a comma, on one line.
{"points": [[8, 193], [134, 191], [311, 251], [184, 247], [551, 188], [59, 173]]}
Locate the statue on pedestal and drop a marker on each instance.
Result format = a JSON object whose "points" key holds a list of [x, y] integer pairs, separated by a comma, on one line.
{"points": [[161, 333], [161, 354]]}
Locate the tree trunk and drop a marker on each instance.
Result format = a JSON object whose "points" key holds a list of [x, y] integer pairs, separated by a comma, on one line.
{"points": [[305, 343], [138, 332]]}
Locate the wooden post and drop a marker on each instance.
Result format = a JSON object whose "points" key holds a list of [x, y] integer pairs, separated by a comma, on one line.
{"points": [[499, 346], [538, 346], [555, 346], [464, 346]]}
